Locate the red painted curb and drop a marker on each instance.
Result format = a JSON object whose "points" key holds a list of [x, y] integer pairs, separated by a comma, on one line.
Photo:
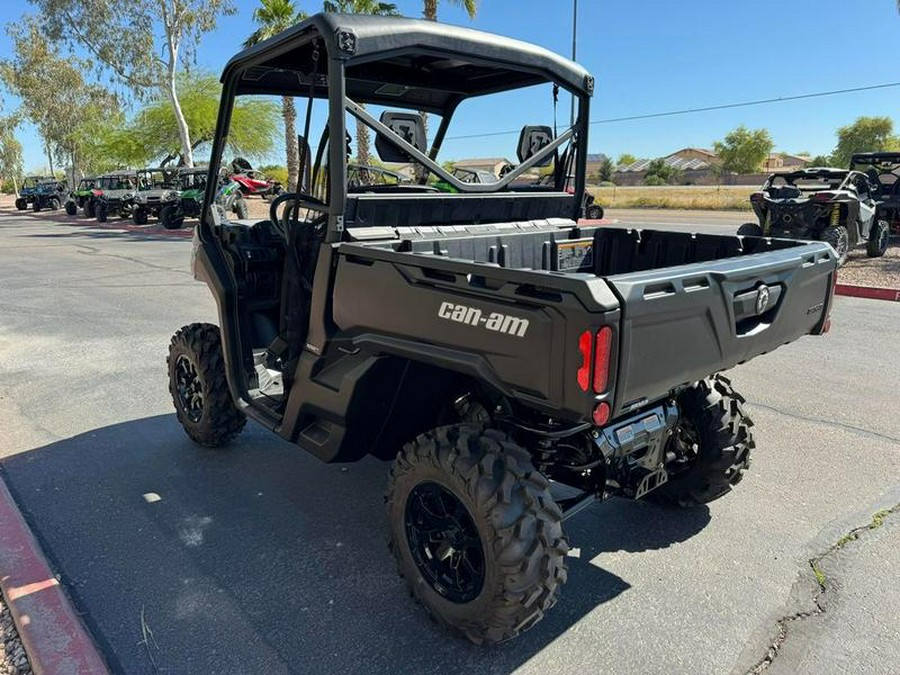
{"points": [[54, 638], [871, 292]]}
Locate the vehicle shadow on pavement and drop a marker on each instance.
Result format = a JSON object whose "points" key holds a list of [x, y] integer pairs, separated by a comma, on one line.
{"points": [[260, 559]]}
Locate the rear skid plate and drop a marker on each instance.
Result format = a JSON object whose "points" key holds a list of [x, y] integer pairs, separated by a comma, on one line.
{"points": [[650, 482]]}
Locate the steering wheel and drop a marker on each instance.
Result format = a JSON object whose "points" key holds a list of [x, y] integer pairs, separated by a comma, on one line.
{"points": [[282, 225]]}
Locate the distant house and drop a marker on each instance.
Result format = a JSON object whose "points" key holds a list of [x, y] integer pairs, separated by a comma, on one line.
{"points": [[782, 161], [594, 162], [696, 155]]}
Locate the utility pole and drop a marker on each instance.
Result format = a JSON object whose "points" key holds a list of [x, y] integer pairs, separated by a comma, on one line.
{"points": [[574, 54]]}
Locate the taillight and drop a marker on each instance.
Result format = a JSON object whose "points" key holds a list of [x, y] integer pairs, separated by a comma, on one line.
{"points": [[601, 413], [602, 349], [822, 197], [584, 372]]}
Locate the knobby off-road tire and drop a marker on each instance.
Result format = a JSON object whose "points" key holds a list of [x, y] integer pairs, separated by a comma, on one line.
{"points": [[240, 209], [140, 216], [102, 212], [750, 230], [90, 208], [506, 502], [36, 205], [715, 426], [839, 238], [170, 217], [71, 208], [594, 212], [199, 387], [879, 238], [21, 204]]}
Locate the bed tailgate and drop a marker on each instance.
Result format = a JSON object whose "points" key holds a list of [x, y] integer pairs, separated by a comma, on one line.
{"points": [[683, 323]]}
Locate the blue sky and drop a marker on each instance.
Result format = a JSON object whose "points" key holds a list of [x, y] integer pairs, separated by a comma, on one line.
{"points": [[659, 55]]}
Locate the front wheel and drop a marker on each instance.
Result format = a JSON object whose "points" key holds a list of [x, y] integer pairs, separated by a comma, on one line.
{"points": [[199, 386], [879, 237], [21, 204], [140, 216], [475, 531], [839, 238], [71, 208], [171, 217], [711, 446], [240, 209], [102, 212], [750, 230], [594, 212], [90, 209], [36, 206]]}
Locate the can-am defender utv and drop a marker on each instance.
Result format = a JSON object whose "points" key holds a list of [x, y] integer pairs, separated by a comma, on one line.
{"points": [[832, 205], [115, 194], [883, 170], [482, 340], [26, 192], [156, 187], [189, 201]]}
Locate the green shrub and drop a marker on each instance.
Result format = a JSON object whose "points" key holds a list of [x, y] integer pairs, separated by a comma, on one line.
{"points": [[276, 172], [654, 180]]}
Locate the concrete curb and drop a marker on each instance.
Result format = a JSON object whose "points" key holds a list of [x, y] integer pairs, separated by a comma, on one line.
{"points": [[871, 292], [53, 636]]}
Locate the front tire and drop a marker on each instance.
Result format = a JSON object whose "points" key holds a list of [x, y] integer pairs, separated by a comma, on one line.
{"points": [[750, 230], [90, 209], [594, 212], [839, 238], [140, 216], [102, 212], [475, 531], [170, 217], [711, 445], [21, 204], [240, 209], [879, 238], [36, 206], [199, 386], [71, 208]]}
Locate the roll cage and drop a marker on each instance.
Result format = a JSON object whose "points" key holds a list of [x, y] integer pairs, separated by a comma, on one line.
{"points": [[406, 64]]}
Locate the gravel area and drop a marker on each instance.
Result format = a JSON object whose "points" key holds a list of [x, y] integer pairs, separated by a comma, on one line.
{"points": [[881, 272], [13, 660]]}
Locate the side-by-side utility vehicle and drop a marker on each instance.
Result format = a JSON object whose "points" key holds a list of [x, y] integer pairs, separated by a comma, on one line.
{"points": [[81, 197], [883, 170], [514, 366], [832, 205], [30, 185], [114, 195], [156, 188]]}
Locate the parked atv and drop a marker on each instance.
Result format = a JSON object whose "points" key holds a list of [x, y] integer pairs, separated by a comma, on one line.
{"points": [[883, 170], [490, 346], [49, 194], [592, 210], [81, 196], [26, 193], [156, 188], [190, 199], [116, 195], [825, 204], [253, 182]]}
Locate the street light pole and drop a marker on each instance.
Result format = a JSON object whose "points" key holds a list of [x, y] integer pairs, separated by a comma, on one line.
{"points": [[575, 53]]}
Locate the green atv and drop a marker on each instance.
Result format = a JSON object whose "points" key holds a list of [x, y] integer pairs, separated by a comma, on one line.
{"points": [[156, 188], [190, 201], [82, 197]]}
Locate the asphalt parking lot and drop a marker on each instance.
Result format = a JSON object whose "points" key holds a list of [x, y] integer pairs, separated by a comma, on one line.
{"points": [[260, 559]]}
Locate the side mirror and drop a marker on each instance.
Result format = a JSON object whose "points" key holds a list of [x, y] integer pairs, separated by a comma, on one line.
{"points": [[409, 127], [531, 140]]}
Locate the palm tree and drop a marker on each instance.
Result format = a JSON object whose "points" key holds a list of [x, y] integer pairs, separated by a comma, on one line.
{"points": [[471, 7], [274, 16], [363, 154], [430, 11]]}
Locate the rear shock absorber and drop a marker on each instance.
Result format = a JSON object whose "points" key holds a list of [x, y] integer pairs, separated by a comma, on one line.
{"points": [[836, 215]]}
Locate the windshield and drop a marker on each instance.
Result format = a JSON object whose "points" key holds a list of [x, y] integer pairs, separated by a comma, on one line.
{"points": [[155, 179], [809, 183], [116, 183], [193, 181], [86, 184]]}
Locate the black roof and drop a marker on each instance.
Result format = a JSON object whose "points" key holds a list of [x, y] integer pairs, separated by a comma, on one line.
{"points": [[875, 157], [401, 62], [812, 172]]}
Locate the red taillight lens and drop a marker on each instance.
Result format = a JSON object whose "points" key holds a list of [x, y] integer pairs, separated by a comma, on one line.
{"points": [[602, 348], [584, 372], [601, 414]]}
